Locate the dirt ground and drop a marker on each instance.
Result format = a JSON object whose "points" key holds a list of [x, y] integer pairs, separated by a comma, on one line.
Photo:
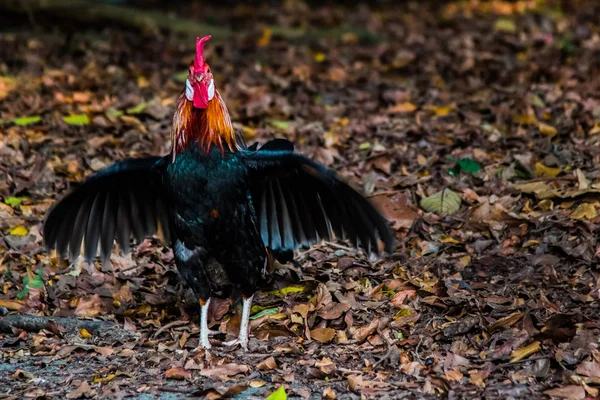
{"points": [[474, 126]]}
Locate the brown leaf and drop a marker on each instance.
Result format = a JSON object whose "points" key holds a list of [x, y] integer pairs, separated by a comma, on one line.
{"points": [[323, 335], [178, 373], [83, 390], [365, 331], [326, 365], [400, 297], [355, 382], [333, 311], [589, 368], [405, 320], [477, 377], [394, 211], [89, 306], [506, 321], [105, 351], [20, 374], [402, 108], [570, 392], [328, 393], [224, 370], [267, 364]]}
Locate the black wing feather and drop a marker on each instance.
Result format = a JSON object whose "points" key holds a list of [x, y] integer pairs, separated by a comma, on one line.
{"points": [[310, 201], [112, 204]]}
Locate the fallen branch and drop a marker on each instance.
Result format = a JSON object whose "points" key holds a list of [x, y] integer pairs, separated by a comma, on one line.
{"points": [[102, 331]]}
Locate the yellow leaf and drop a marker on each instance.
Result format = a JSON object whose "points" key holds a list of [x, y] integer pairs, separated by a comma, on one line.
{"points": [[584, 211], [506, 321], [546, 172], [465, 261], [19, 231], [505, 25], [523, 352], [85, 334], [107, 378], [547, 130], [7, 85], [265, 39], [526, 119], [441, 111], [595, 129], [13, 305], [142, 82], [319, 57], [449, 240], [248, 132], [402, 108]]}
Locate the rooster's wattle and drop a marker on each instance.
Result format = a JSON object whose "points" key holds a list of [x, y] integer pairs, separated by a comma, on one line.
{"points": [[221, 205]]}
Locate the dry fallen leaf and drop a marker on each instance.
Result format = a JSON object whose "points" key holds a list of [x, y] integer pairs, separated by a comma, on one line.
{"points": [[89, 306], [267, 364], [178, 373], [584, 211], [224, 370], [328, 393], [83, 390], [523, 352], [323, 335], [569, 392]]}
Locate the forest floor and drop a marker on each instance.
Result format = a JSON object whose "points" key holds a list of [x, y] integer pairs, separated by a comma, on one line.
{"points": [[490, 111]]}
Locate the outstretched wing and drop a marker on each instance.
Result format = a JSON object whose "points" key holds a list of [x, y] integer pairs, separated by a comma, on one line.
{"points": [[121, 201], [300, 202]]}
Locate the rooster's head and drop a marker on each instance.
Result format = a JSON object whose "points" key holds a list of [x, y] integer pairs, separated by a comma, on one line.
{"points": [[200, 85]]}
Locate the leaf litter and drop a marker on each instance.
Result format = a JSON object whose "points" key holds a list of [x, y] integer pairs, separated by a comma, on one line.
{"points": [[472, 125]]}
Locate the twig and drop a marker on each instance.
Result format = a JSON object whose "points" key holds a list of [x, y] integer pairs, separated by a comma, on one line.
{"points": [[168, 326], [103, 330], [509, 364]]}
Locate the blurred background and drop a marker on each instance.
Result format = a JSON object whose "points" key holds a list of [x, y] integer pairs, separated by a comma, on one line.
{"points": [[496, 100]]}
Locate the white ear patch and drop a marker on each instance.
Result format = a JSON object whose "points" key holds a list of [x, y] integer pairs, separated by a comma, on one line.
{"points": [[189, 90], [211, 89]]}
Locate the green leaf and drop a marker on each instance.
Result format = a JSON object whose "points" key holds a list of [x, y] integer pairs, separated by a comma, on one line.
{"points": [[137, 109], [505, 25], [13, 201], [277, 123], [114, 113], [468, 165], [444, 202], [22, 121], [566, 45], [181, 76], [268, 311], [279, 394], [79, 119]]}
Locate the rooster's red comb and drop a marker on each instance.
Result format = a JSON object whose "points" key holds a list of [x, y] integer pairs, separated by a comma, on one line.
{"points": [[199, 60]]}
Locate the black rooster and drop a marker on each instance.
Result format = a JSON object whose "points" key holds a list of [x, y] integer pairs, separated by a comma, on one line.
{"points": [[214, 200]]}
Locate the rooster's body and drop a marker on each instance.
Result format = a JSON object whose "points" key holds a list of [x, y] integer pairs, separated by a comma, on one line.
{"points": [[220, 205]]}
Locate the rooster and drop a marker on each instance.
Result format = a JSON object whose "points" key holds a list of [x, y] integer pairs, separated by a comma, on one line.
{"points": [[221, 205]]}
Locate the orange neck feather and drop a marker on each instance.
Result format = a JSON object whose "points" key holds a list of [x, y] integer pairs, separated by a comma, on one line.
{"points": [[206, 127]]}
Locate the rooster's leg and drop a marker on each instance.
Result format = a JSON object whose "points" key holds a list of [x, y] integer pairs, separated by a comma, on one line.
{"points": [[242, 338], [204, 331]]}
